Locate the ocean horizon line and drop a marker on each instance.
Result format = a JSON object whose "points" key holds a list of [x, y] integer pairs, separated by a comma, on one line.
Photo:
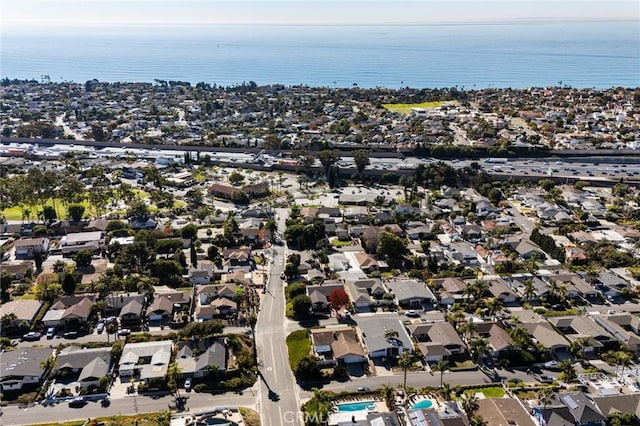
{"points": [[194, 24]]}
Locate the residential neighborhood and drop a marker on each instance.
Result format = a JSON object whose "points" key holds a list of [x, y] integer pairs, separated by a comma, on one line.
{"points": [[423, 291]]}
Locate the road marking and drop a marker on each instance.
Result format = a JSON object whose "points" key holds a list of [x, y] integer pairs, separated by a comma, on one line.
{"points": [[269, 368]]}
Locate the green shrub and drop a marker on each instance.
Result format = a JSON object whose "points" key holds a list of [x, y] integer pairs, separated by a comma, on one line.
{"points": [[200, 387]]}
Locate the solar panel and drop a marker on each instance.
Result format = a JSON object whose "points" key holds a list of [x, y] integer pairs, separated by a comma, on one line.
{"points": [[569, 402]]}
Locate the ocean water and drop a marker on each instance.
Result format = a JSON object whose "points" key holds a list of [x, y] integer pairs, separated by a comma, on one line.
{"points": [[510, 54]]}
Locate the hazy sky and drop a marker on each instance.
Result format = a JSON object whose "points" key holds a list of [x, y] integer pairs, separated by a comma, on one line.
{"points": [[21, 13]]}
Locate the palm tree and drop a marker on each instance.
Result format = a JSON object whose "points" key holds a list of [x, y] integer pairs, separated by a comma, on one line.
{"points": [[441, 366], [7, 319], [391, 334], [444, 391], [529, 290], [479, 348], [469, 404], [568, 371], [455, 317], [405, 360], [545, 396], [389, 396], [623, 359], [494, 307], [466, 329], [579, 345]]}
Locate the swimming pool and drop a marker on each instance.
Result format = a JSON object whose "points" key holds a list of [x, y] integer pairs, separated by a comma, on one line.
{"points": [[425, 403], [357, 406]]}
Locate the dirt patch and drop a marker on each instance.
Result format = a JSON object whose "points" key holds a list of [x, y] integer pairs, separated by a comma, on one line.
{"points": [[250, 417]]}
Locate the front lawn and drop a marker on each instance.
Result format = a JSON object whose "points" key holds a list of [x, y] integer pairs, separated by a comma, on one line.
{"points": [[299, 345], [489, 392]]}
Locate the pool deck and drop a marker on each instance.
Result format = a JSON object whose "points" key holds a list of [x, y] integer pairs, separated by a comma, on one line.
{"points": [[360, 415]]}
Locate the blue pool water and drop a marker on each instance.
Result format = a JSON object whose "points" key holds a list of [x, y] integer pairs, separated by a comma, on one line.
{"points": [[425, 403], [356, 406]]}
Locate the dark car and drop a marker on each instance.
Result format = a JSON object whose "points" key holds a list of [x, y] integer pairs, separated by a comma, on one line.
{"points": [[70, 335], [31, 336], [77, 402]]}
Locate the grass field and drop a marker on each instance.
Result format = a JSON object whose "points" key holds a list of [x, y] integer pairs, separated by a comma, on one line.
{"points": [[406, 108], [299, 345]]}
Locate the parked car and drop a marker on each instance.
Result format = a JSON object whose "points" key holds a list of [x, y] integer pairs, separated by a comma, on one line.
{"points": [[51, 332], [124, 332], [187, 385], [77, 402], [544, 378], [363, 389], [551, 364], [100, 328], [412, 314], [70, 335], [110, 320], [31, 336]]}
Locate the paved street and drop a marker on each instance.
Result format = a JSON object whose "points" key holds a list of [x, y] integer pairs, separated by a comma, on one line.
{"points": [[14, 415], [278, 402]]}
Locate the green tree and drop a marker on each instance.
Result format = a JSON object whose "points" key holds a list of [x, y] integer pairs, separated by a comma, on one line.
{"points": [[301, 305], [68, 283], [189, 231], [389, 397], [235, 178], [308, 369], [75, 212], [328, 158], [479, 348], [361, 158], [391, 246], [82, 258], [166, 271], [567, 371], [137, 209]]}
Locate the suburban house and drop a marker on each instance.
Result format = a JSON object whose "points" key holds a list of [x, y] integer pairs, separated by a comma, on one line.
{"points": [[236, 258], [23, 309], [501, 291], [27, 247], [500, 342], [527, 250], [198, 359], [145, 360], [21, 367], [365, 292], [337, 345], [143, 222], [83, 365], [18, 271], [215, 300], [574, 408], [437, 340], [127, 306], [80, 241], [69, 311], [377, 340], [319, 294], [574, 327], [624, 327], [452, 290], [608, 405], [504, 412], [545, 334], [164, 305], [367, 262], [411, 293]]}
